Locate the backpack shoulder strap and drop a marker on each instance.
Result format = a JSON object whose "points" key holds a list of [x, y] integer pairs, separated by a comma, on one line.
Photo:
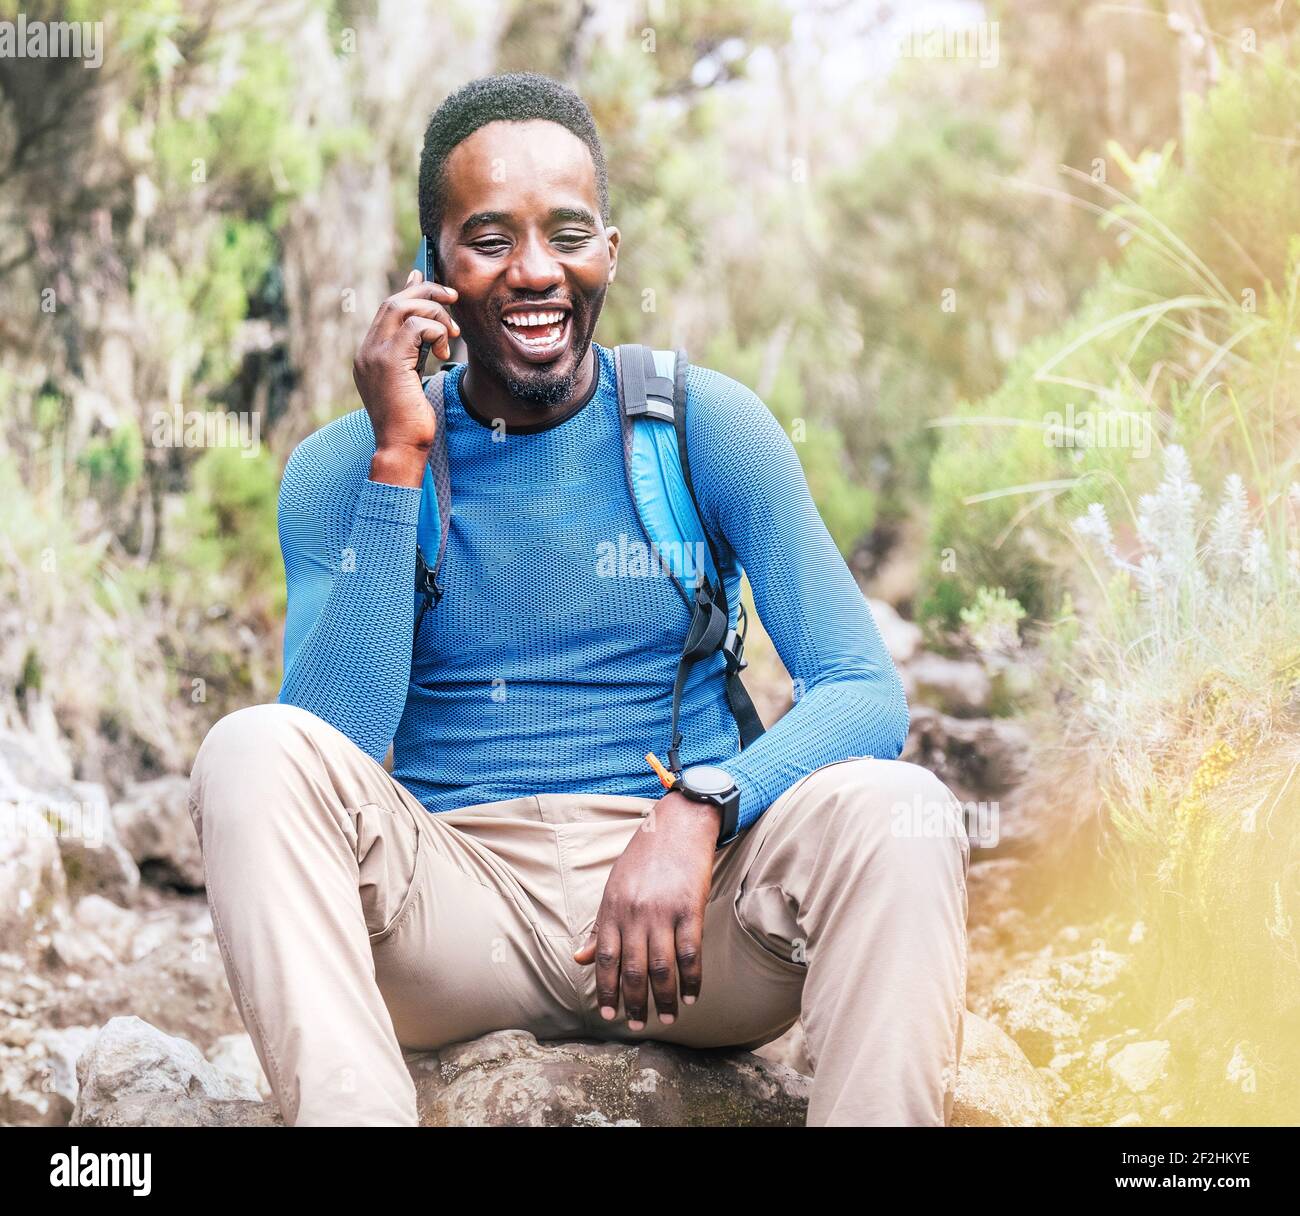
{"points": [[652, 390], [435, 505]]}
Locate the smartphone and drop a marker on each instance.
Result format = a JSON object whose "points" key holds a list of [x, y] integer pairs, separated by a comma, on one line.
{"points": [[426, 262]]}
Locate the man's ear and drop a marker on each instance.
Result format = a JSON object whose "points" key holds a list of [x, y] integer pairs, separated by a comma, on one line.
{"points": [[612, 237]]}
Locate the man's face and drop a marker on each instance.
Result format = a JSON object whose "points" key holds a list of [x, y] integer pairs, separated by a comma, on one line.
{"points": [[523, 244]]}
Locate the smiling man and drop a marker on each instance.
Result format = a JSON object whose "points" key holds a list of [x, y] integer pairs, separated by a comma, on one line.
{"points": [[522, 867]]}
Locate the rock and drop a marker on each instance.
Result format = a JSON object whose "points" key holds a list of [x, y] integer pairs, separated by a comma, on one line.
{"points": [[902, 638], [1132, 1119], [1030, 1009], [113, 925], [78, 951], [182, 1110], [131, 1059], [154, 823], [140, 1077], [59, 1051], [960, 687], [1139, 1066], [78, 816], [236, 1055], [93, 857], [996, 1085], [509, 1079], [1045, 1003], [180, 987], [33, 888]]}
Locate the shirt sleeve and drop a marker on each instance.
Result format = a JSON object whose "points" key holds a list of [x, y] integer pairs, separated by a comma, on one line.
{"points": [[848, 697], [349, 561]]}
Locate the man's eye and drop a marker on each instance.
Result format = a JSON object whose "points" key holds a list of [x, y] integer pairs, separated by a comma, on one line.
{"points": [[491, 246], [571, 240]]}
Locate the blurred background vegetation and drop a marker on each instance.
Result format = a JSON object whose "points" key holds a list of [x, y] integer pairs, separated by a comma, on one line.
{"points": [[920, 263]]}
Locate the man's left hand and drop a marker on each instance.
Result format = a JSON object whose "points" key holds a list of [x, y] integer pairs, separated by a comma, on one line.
{"points": [[650, 926]]}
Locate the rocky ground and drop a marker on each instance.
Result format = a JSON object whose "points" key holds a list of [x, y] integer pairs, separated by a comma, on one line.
{"points": [[115, 1010]]}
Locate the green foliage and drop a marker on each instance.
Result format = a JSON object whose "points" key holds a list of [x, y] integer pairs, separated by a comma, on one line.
{"points": [[247, 146], [846, 506], [1169, 337], [114, 462], [993, 621], [224, 538]]}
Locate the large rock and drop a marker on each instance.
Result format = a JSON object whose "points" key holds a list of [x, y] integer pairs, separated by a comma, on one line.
{"points": [[509, 1079], [129, 1059], [154, 824], [996, 1085]]}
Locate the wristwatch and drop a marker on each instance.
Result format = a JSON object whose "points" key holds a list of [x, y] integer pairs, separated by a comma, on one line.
{"points": [[708, 783]]}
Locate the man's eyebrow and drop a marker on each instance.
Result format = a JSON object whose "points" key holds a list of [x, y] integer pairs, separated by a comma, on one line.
{"points": [[578, 215], [479, 218]]}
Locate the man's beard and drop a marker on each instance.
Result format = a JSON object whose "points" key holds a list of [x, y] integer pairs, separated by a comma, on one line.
{"points": [[539, 388]]}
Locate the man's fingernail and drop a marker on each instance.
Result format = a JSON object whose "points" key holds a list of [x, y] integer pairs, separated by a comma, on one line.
{"points": [[688, 1000], [410, 278], [631, 1025], [607, 1012], [667, 1018]]}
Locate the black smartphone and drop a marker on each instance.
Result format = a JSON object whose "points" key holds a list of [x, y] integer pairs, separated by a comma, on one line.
{"points": [[426, 262]]}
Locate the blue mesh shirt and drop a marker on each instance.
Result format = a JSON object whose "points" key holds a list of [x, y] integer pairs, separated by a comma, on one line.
{"points": [[538, 671]]}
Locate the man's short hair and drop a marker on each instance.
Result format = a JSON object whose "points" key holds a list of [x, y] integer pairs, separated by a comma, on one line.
{"points": [[510, 97]]}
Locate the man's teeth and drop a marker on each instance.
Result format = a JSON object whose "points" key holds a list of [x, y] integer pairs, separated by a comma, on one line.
{"points": [[533, 318]]}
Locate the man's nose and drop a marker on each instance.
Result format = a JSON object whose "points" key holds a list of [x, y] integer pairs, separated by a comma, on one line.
{"points": [[534, 267]]}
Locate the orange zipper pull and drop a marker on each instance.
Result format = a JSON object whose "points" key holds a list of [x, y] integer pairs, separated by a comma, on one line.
{"points": [[662, 773]]}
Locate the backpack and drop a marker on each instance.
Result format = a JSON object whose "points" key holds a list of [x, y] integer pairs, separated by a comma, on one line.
{"points": [[652, 410]]}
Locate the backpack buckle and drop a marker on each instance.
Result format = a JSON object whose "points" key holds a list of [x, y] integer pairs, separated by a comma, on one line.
{"points": [[733, 647]]}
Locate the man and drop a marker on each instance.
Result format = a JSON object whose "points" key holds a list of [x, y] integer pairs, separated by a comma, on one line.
{"points": [[518, 868]]}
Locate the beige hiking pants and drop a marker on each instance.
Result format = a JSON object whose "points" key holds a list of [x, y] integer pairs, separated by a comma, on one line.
{"points": [[353, 923]]}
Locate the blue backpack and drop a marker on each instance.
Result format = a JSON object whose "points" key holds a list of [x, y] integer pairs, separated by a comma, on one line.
{"points": [[652, 408]]}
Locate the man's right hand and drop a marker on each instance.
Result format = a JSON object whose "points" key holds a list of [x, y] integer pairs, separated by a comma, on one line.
{"points": [[386, 377]]}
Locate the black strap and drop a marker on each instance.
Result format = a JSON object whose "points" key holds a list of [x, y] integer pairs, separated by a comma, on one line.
{"points": [[426, 576], [710, 629]]}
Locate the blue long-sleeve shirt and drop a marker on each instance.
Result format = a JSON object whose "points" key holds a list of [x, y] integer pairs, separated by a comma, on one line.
{"points": [[538, 671]]}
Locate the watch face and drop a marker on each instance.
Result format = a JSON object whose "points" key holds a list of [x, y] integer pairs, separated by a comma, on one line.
{"points": [[706, 779]]}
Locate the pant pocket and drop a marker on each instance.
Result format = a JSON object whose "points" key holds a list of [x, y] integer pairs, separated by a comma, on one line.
{"points": [[766, 909], [390, 855]]}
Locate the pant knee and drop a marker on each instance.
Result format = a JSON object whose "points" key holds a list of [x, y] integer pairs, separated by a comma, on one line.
{"points": [[892, 809], [247, 743]]}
